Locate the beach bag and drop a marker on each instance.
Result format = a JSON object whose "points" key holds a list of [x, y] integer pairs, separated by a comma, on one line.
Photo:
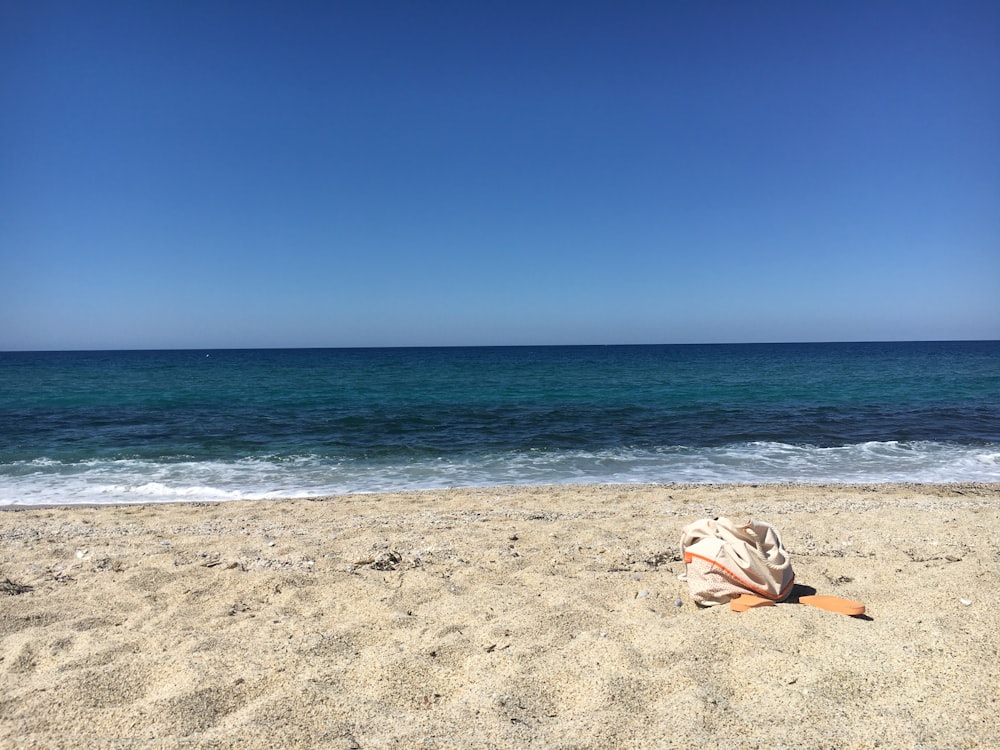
{"points": [[725, 560]]}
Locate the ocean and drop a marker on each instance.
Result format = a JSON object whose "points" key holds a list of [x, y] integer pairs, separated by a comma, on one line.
{"points": [[156, 426]]}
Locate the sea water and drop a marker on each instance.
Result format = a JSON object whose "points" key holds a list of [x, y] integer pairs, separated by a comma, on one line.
{"points": [[149, 426]]}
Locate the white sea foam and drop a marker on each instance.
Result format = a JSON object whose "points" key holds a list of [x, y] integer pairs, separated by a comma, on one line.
{"points": [[98, 481]]}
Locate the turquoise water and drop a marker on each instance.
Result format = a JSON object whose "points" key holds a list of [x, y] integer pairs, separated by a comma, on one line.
{"points": [[154, 426]]}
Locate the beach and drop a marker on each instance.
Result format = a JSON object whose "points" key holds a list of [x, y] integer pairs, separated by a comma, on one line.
{"points": [[498, 617]]}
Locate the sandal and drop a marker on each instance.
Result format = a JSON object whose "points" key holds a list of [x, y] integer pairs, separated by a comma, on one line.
{"points": [[743, 602], [834, 604]]}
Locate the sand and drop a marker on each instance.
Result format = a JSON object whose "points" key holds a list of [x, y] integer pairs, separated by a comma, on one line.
{"points": [[548, 617]]}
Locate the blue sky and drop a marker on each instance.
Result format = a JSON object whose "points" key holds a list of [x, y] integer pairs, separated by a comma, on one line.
{"points": [[255, 174]]}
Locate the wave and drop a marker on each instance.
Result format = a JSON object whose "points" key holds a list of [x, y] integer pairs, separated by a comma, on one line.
{"points": [[105, 481]]}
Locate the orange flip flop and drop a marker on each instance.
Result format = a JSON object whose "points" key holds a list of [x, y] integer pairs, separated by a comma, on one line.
{"points": [[743, 602], [834, 604]]}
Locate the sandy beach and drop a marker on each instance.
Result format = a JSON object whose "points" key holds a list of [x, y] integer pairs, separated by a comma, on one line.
{"points": [[549, 617]]}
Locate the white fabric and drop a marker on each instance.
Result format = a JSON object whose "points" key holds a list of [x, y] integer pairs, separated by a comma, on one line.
{"points": [[725, 560]]}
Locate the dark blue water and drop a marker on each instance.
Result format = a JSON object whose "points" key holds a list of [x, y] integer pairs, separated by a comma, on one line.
{"points": [[142, 426]]}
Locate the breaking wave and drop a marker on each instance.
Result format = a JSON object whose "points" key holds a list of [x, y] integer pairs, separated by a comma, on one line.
{"points": [[113, 481]]}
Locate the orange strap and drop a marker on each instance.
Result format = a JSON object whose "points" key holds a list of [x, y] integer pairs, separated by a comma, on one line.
{"points": [[688, 556]]}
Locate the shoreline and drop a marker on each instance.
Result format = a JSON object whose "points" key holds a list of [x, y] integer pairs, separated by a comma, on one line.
{"points": [[524, 616], [957, 487]]}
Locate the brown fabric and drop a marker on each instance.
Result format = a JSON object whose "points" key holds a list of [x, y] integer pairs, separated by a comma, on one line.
{"points": [[725, 560]]}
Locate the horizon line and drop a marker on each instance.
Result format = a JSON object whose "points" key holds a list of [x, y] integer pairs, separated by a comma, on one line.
{"points": [[492, 346]]}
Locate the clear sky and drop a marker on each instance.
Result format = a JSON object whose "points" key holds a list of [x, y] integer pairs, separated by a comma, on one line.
{"points": [[249, 174]]}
